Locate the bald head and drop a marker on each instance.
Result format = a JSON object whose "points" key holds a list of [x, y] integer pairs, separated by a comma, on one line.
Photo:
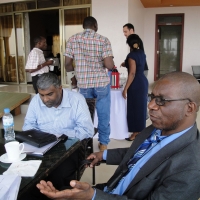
{"points": [[175, 102], [185, 84]]}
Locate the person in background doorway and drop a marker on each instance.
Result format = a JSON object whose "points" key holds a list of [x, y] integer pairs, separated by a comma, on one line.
{"points": [[36, 63], [136, 88]]}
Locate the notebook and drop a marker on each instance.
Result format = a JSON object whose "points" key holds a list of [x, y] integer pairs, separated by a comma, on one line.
{"points": [[35, 137], [31, 150]]}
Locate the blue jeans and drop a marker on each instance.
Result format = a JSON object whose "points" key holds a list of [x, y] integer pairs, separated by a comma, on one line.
{"points": [[102, 95]]}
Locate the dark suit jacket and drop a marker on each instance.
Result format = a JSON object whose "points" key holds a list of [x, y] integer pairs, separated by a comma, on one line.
{"points": [[172, 173]]}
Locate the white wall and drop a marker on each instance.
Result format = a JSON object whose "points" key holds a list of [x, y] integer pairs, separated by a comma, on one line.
{"points": [[111, 15], [70, 30], [191, 44], [136, 16]]}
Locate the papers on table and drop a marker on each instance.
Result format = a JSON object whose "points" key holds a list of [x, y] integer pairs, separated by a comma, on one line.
{"points": [[23, 168], [29, 149], [9, 187]]}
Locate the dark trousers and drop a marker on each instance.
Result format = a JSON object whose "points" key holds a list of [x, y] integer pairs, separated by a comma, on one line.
{"points": [[60, 178], [34, 81]]}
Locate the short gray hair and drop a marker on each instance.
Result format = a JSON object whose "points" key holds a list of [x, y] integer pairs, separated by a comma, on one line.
{"points": [[46, 80]]}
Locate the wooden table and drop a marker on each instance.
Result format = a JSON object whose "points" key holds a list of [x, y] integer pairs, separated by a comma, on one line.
{"points": [[52, 159], [13, 101]]}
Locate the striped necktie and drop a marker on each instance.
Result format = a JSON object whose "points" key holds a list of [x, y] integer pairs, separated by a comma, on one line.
{"points": [[145, 147], [149, 143]]}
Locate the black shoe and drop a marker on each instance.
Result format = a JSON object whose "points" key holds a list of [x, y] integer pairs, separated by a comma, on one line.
{"points": [[128, 139]]}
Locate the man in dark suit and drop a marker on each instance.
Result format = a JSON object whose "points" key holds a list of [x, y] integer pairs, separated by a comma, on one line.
{"points": [[169, 168]]}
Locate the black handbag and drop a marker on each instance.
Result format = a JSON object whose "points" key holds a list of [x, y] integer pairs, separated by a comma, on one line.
{"points": [[35, 137]]}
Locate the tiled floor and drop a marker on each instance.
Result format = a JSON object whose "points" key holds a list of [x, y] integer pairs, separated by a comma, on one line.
{"points": [[17, 88], [103, 172]]}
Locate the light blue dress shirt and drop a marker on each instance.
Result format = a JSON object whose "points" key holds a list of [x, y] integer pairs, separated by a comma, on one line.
{"points": [[71, 117]]}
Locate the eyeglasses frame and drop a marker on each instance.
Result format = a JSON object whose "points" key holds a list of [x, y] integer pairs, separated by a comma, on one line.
{"points": [[165, 100]]}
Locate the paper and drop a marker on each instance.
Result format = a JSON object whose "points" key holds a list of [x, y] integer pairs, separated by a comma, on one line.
{"points": [[29, 149], [9, 187], [23, 168]]}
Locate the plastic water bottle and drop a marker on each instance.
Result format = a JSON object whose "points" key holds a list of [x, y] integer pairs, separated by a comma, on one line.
{"points": [[8, 125]]}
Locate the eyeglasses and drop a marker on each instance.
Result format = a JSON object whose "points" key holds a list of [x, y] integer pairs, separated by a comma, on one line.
{"points": [[161, 101]]}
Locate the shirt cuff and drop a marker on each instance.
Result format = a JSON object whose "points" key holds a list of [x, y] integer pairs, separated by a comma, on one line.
{"points": [[94, 194], [104, 154]]}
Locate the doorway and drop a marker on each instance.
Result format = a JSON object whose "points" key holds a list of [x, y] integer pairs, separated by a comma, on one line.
{"points": [[169, 44], [56, 26], [46, 24]]}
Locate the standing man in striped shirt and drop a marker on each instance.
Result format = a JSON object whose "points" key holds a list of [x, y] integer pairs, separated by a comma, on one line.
{"points": [[36, 63], [92, 54]]}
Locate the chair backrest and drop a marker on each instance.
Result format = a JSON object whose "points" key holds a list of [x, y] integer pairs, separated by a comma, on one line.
{"points": [[196, 71], [91, 105], [86, 147]]}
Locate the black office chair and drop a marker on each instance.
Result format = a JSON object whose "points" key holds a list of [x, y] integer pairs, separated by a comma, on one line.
{"points": [[87, 144], [196, 71]]}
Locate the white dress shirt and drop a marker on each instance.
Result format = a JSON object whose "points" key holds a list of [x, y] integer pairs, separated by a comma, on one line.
{"points": [[35, 58]]}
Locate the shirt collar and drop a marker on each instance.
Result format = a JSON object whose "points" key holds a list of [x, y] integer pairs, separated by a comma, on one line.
{"points": [[65, 100], [88, 30], [37, 49], [158, 132]]}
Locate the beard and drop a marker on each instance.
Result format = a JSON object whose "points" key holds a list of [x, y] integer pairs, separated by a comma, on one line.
{"points": [[48, 104]]}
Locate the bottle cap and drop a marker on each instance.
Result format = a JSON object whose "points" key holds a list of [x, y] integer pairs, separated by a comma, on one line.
{"points": [[6, 110]]}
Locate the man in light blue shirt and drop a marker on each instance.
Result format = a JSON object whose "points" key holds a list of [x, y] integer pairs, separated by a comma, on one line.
{"points": [[59, 111], [163, 162]]}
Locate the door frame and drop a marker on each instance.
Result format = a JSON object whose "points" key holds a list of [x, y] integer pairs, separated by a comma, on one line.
{"points": [[23, 47], [63, 39], [157, 50]]}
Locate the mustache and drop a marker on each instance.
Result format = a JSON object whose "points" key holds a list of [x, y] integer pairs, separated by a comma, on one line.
{"points": [[48, 103]]}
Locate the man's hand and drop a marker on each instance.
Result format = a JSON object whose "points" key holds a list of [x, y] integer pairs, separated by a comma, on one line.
{"points": [[74, 82], [123, 65], [96, 157], [124, 94], [49, 62], [80, 190]]}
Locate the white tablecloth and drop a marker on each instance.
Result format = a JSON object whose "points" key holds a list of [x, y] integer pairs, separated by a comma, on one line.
{"points": [[118, 121]]}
